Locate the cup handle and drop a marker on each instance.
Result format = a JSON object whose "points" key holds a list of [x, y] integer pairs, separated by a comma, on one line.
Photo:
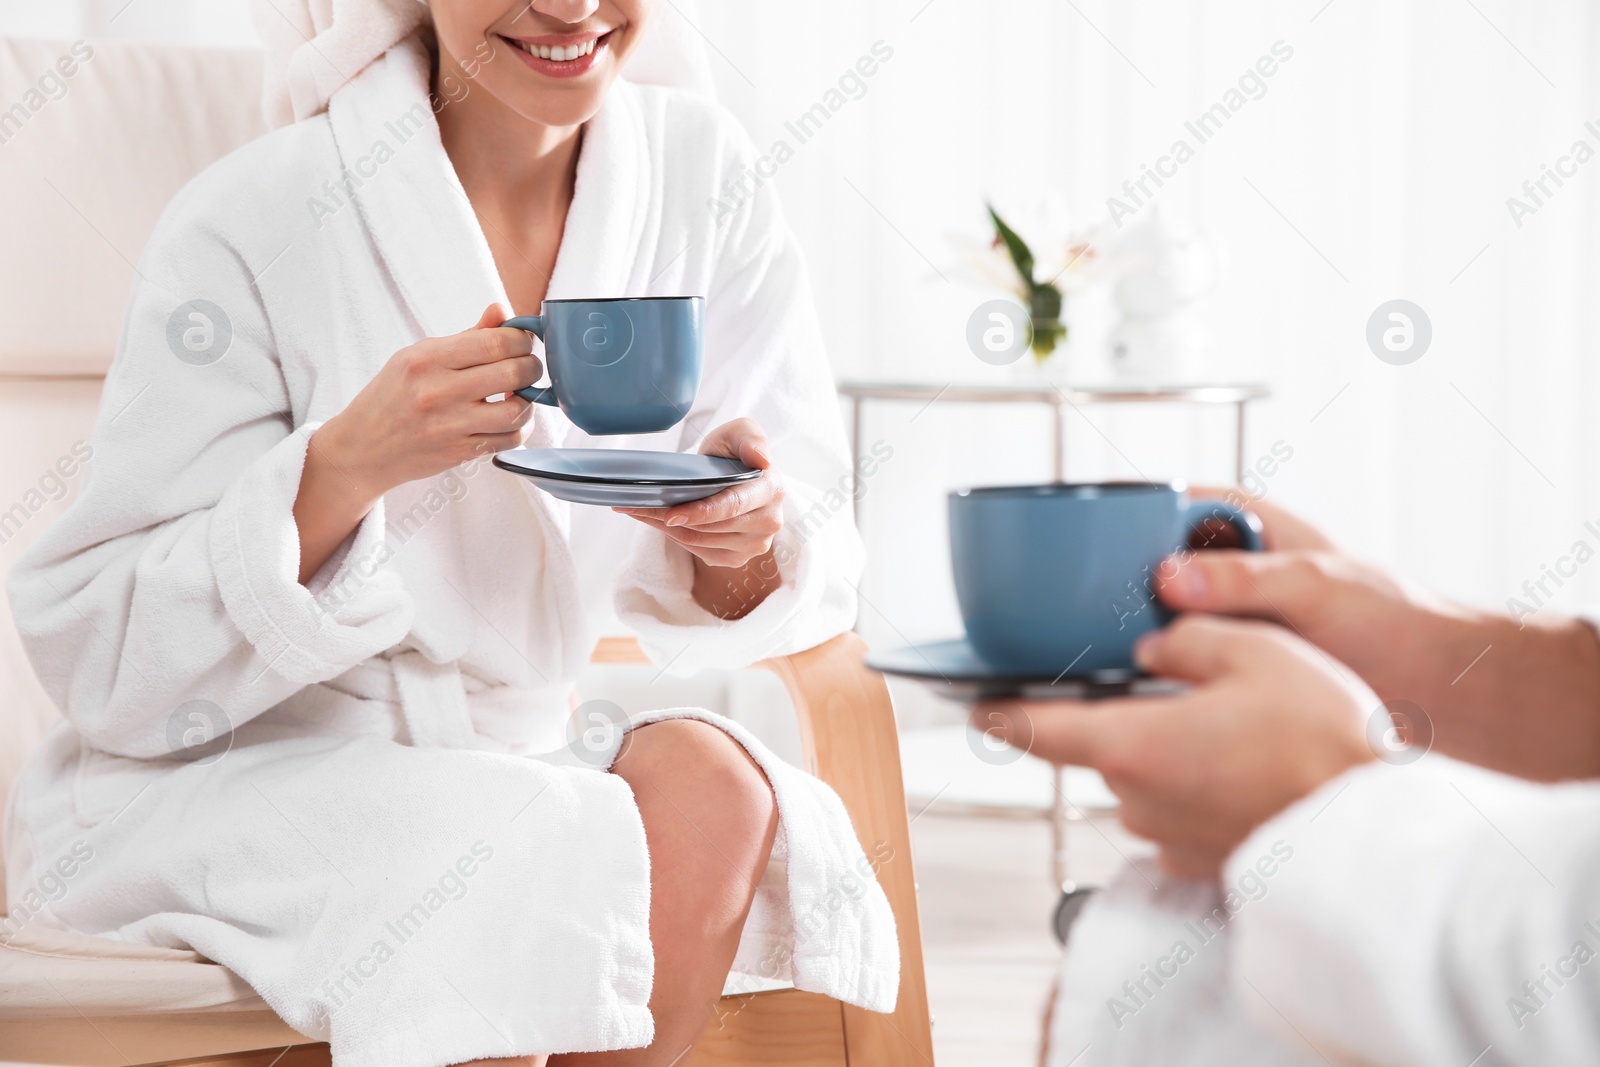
{"points": [[1245, 524], [539, 394]]}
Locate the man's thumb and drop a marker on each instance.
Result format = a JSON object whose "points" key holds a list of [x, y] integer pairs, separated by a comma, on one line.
{"points": [[492, 316]]}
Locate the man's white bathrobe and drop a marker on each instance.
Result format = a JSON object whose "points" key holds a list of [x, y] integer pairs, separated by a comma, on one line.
{"points": [[1431, 914], [373, 846]]}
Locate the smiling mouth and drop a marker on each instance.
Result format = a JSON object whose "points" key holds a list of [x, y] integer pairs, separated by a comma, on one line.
{"points": [[559, 55]]}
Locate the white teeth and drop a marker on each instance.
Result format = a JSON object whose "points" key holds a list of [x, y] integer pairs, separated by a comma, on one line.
{"points": [[559, 53]]}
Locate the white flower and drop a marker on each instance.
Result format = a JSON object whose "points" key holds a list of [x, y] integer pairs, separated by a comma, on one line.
{"points": [[1070, 260]]}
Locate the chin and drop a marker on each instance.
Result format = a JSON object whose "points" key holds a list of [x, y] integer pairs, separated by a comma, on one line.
{"points": [[566, 107], [559, 80]]}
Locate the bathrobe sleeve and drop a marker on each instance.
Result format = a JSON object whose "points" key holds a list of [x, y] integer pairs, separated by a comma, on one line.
{"points": [[1431, 912], [764, 359], [173, 578]]}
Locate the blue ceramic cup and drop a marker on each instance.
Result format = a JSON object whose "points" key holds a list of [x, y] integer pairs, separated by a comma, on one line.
{"points": [[619, 366], [1059, 579]]}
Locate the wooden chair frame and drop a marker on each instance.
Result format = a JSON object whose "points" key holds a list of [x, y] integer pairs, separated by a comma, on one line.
{"points": [[849, 739]]}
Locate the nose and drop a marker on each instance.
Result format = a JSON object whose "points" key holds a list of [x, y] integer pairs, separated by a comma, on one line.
{"points": [[568, 11]]}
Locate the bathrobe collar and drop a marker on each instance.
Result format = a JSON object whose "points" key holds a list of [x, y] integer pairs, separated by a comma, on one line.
{"points": [[424, 227]]}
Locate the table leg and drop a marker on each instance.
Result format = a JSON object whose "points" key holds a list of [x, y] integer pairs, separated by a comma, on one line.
{"points": [[1058, 453], [1058, 803], [1238, 444], [855, 459], [1058, 828]]}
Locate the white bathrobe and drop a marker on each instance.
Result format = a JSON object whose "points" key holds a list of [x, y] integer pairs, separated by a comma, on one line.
{"points": [[1427, 915], [373, 846]]}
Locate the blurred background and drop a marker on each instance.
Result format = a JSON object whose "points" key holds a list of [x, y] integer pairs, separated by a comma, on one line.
{"points": [[1376, 165], [1437, 152]]}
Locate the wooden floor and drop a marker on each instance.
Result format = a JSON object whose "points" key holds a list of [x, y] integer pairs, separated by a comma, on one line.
{"points": [[986, 903]]}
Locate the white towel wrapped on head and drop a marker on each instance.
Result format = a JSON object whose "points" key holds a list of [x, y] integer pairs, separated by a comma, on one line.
{"points": [[316, 47]]}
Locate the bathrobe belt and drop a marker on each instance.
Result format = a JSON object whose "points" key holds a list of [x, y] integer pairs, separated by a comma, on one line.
{"points": [[433, 702]]}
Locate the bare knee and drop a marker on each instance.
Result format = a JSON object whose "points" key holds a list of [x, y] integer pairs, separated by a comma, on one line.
{"points": [[694, 764]]}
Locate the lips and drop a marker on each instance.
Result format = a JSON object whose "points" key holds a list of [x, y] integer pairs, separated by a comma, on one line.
{"points": [[559, 56]]}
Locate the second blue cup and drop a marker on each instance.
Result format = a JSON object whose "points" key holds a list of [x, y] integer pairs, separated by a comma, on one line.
{"points": [[1059, 580]]}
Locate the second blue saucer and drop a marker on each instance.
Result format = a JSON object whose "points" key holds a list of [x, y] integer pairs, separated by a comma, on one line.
{"points": [[956, 669]]}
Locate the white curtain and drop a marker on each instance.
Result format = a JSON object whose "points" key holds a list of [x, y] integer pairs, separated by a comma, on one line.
{"points": [[1377, 165]]}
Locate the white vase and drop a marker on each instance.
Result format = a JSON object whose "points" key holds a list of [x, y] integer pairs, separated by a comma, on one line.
{"points": [[1161, 336]]}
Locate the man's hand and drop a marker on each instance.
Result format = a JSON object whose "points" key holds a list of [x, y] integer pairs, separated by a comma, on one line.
{"points": [[1269, 719], [1523, 698]]}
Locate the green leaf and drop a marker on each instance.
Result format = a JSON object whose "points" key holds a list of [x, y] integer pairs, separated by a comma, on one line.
{"points": [[1044, 302], [1021, 255]]}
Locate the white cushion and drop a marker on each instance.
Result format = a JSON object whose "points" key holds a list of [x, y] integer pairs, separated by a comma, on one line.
{"points": [[87, 163], [40, 423], [43, 974]]}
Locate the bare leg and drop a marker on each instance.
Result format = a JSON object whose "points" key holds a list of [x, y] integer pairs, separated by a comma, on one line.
{"points": [[709, 821]]}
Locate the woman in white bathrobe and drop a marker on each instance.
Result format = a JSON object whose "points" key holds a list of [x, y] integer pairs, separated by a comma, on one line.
{"points": [[314, 652], [1383, 814]]}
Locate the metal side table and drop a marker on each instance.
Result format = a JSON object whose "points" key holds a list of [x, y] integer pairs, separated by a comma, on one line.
{"points": [[1058, 398]]}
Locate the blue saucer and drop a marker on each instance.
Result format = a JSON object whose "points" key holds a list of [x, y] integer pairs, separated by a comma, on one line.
{"points": [[955, 669], [616, 477]]}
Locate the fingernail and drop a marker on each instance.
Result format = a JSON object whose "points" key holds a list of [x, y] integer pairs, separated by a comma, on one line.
{"points": [[1190, 584], [678, 520], [1145, 649]]}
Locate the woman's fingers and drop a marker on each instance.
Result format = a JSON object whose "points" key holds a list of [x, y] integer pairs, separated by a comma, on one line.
{"points": [[727, 533], [502, 376], [765, 520], [741, 439], [492, 316], [753, 544], [730, 528], [730, 504], [486, 342], [485, 444], [497, 416]]}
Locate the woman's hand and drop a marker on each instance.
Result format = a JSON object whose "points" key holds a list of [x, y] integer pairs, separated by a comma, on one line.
{"points": [[425, 412], [1517, 696], [1269, 719], [730, 534]]}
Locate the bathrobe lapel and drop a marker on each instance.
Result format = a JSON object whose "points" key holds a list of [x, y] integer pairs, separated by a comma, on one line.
{"points": [[429, 240]]}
